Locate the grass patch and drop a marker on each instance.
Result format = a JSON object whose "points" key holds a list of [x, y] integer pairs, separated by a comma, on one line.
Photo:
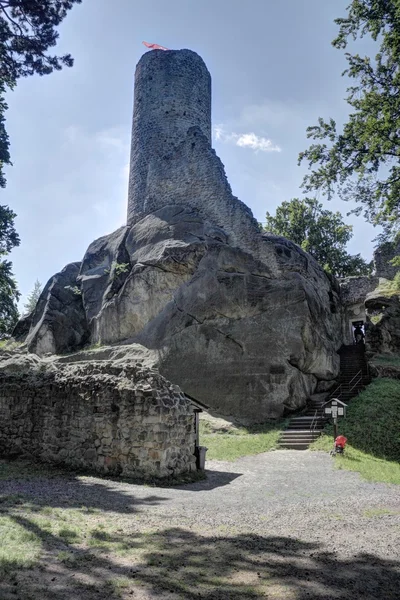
{"points": [[235, 442], [372, 424], [19, 548], [392, 360], [390, 288], [370, 467], [372, 427], [373, 513]]}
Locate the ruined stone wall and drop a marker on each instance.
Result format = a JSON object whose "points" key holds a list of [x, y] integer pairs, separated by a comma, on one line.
{"points": [[172, 161], [382, 257], [121, 420], [354, 290]]}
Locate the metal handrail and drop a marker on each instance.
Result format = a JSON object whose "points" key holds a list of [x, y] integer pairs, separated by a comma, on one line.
{"points": [[314, 421], [358, 374]]}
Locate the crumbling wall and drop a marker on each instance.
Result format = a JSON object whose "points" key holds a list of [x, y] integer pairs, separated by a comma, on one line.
{"points": [[172, 161], [354, 290], [120, 419], [382, 257]]}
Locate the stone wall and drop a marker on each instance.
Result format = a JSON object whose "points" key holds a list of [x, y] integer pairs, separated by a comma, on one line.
{"points": [[172, 161], [354, 290], [382, 257], [111, 417]]}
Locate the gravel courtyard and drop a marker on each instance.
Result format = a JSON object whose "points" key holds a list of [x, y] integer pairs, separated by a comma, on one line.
{"points": [[282, 524]]}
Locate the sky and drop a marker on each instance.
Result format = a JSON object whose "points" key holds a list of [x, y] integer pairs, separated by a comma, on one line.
{"points": [[274, 72]]}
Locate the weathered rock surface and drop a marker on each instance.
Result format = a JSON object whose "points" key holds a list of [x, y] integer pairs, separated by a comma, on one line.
{"points": [[108, 411], [221, 324], [383, 336], [59, 323]]}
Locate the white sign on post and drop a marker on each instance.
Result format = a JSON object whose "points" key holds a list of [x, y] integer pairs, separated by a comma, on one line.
{"points": [[335, 408]]}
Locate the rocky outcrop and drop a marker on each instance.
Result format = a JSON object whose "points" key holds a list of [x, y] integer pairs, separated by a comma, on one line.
{"points": [[383, 256], [59, 323], [245, 323], [383, 326], [107, 411], [221, 323]]}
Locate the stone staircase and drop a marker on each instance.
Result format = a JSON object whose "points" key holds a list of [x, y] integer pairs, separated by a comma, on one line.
{"points": [[306, 427]]}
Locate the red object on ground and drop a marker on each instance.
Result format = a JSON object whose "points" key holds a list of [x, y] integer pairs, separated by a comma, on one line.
{"points": [[154, 46], [341, 441]]}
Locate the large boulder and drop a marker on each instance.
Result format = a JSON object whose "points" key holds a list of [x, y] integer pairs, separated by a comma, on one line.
{"points": [[245, 338], [58, 324], [383, 326]]}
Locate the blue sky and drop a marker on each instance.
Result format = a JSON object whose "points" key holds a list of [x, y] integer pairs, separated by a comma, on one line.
{"points": [[274, 73]]}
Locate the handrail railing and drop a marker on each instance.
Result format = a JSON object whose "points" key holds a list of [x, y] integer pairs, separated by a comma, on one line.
{"points": [[314, 422], [358, 374]]}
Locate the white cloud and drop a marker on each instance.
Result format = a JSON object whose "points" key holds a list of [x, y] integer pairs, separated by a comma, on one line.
{"points": [[251, 140], [245, 140]]}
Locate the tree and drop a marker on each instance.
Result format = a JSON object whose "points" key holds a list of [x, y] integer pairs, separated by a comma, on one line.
{"points": [[33, 298], [362, 162], [320, 232], [9, 294], [27, 31]]}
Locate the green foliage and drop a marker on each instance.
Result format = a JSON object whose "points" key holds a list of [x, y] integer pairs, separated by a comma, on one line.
{"points": [[27, 31], [386, 360], [362, 162], [392, 287], [117, 269], [372, 424], [243, 441], [4, 141], [320, 232], [74, 289], [9, 294], [33, 298], [369, 467]]}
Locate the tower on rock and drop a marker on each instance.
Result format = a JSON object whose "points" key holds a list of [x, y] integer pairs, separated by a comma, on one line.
{"points": [[172, 95], [172, 160]]}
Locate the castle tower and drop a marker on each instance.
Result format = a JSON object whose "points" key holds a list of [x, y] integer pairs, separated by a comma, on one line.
{"points": [[172, 95]]}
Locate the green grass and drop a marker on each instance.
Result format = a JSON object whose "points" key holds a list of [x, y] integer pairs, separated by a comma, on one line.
{"points": [[392, 360], [391, 288], [242, 441], [372, 427], [19, 548], [370, 467]]}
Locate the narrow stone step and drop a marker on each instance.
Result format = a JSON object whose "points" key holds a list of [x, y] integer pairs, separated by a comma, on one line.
{"points": [[295, 433], [294, 446]]}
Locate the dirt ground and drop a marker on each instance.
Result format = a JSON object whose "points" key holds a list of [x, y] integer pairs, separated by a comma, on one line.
{"points": [[279, 525]]}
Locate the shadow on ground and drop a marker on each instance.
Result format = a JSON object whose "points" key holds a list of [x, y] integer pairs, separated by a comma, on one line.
{"points": [[178, 564], [111, 551]]}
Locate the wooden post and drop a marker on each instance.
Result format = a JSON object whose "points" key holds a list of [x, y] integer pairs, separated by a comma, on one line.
{"points": [[335, 431]]}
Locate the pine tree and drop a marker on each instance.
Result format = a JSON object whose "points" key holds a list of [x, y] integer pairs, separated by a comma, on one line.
{"points": [[33, 298]]}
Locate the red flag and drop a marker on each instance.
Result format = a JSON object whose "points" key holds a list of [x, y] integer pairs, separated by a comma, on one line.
{"points": [[154, 46]]}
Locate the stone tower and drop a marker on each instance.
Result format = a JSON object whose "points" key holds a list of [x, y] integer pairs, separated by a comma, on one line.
{"points": [[172, 160], [172, 95]]}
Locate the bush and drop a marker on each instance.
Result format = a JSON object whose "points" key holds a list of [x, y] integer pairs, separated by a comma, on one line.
{"points": [[372, 423]]}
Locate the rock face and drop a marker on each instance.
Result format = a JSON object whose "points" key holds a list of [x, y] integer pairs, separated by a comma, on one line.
{"points": [[59, 323], [223, 326], [383, 327], [246, 323], [382, 257], [108, 411]]}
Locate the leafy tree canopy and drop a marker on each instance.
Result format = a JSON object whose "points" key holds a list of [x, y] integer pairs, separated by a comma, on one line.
{"points": [[27, 32], [33, 298], [9, 294], [320, 232], [362, 161]]}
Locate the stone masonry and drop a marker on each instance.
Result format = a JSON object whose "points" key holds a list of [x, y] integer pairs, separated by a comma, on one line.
{"points": [[108, 416], [172, 161]]}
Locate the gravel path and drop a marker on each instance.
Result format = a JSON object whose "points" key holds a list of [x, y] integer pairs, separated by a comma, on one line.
{"points": [[319, 532]]}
